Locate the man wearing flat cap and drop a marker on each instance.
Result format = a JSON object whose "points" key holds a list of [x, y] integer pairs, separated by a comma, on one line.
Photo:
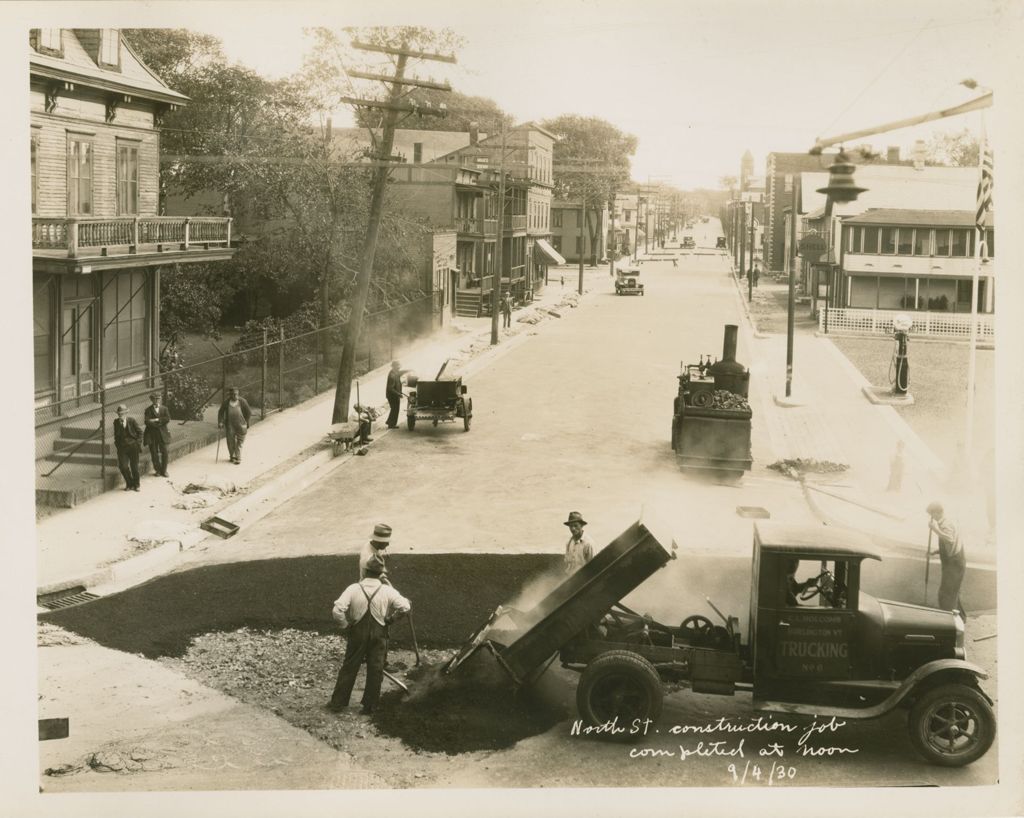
{"points": [[375, 552], [580, 549]]}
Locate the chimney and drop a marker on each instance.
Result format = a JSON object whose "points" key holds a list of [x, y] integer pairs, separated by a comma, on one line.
{"points": [[474, 133], [893, 155]]}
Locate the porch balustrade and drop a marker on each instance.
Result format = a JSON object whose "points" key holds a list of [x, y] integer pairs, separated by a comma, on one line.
{"points": [[76, 235]]}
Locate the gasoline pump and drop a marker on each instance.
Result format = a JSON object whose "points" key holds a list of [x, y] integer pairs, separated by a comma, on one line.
{"points": [[899, 369]]}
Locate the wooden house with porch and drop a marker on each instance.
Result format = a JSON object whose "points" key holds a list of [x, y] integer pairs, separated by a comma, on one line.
{"points": [[99, 245]]}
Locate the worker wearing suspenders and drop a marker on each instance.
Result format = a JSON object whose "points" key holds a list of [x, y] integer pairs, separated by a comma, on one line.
{"points": [[365, 610]]}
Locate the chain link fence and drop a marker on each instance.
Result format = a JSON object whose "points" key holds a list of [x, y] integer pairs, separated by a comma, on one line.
{"points": [[75, 455]]}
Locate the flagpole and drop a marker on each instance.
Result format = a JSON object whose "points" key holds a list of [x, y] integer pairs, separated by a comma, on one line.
{"points": [[979, 242]]}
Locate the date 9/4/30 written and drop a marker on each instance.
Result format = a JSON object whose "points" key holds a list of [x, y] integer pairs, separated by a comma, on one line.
{"points": [[752, 773]]}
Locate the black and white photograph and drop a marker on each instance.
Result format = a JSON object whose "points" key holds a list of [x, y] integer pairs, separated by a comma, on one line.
{"points": [[366, 476]]}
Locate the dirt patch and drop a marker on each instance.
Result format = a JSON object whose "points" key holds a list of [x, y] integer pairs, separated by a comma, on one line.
{"points": [[474, 708]]}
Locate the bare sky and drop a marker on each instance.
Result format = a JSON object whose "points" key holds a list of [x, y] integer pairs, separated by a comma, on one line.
{"points": [[698, 82]]}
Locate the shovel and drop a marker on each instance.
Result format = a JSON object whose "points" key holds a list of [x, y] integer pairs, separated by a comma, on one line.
{"points": [[927, 566], [415, 645], [397, 681]]}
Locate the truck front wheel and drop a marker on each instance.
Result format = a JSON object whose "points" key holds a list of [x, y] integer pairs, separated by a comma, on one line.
{"points": [[619, 687], [952, 725]]}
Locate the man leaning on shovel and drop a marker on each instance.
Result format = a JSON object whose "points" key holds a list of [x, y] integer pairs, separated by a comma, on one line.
{"points": [[364, 610], [951, 556]]}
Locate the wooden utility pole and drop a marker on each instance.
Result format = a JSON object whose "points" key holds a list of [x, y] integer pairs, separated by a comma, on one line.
{"points": [[381, 171], [499, 245]]}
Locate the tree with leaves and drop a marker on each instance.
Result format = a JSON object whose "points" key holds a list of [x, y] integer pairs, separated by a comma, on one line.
{"points": [[590, 164], [958, 150]]}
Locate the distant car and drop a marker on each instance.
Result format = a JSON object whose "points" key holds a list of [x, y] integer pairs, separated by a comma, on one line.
{"points": [[720, 244], [627, 282], [689, 243]]}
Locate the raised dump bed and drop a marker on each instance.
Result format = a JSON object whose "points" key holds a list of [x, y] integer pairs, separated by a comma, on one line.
{"points": [[523, 641]]}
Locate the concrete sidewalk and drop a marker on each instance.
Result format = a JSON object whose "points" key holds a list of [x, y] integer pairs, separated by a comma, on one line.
{"points": [[829, 418], [121, 537]]}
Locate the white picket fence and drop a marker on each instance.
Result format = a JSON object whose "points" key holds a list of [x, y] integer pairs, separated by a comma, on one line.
{"points": [[879, 322]]}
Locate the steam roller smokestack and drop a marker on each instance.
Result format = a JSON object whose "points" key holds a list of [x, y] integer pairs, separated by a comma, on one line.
{"points": [[729, 345]]}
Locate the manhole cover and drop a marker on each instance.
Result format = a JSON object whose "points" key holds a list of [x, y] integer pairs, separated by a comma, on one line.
{"points": [[66, 598], [753, 512]]}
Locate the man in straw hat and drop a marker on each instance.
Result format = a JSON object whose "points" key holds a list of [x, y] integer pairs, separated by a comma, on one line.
{"points": [[375, 552], [364, 611], [580, 549], [951, 556]]}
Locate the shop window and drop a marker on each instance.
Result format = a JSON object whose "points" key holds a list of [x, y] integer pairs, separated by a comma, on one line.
{"points": [[905, 245], [42, 335], [922, 242], [961, 243], [870, 239], [124, 339], [888, 240]]}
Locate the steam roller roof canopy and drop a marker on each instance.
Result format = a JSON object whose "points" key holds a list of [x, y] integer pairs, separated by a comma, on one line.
{"points": [[833, 541]]}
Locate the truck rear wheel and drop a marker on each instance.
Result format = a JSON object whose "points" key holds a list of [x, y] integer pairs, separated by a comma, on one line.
{"points": [[619, 685], [952, 725]]}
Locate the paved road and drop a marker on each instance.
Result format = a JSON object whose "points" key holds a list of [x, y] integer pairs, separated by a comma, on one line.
{"points": [[578, 417]]}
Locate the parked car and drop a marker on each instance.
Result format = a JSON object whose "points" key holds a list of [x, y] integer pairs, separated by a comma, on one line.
{"points": [[720, 244], [689, 243]]}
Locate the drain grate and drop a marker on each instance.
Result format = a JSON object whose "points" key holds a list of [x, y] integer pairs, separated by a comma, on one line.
{"points": [[67, 598], [753, 512]]}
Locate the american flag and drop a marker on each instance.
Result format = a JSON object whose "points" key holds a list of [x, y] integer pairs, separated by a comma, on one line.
{"points": [[984, 188]]}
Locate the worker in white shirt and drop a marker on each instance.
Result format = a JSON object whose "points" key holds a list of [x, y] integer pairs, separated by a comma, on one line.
{"points": [[364, 611]]}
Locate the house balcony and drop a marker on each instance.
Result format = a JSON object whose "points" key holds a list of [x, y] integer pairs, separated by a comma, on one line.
{"points": [[515, 222], [477, 226], [62, 243]]}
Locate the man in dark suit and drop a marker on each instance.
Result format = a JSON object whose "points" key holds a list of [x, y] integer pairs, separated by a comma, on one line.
{"points": [[394, 393], [127, 439], [157, 435]]}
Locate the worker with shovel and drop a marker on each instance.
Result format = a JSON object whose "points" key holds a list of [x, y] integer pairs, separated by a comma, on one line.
{"points": [[951, 556], [365, 610]]}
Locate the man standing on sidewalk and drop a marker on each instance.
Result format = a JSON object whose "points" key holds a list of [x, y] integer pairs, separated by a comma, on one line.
{"points": [[506, 310], [580, 549], [951, 556], [127, 437], [365, 610], [157, 436], [394, 393], [234, 417]]}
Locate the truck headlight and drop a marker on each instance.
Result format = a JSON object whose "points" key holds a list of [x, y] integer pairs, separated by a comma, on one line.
{"points": [[959, 651]]}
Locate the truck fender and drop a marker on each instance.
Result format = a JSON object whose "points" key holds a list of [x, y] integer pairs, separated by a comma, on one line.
{"points": [[931, 670]]}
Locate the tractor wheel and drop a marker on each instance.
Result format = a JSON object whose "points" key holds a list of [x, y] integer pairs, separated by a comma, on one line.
{"points": [[619, 685], [952, 725], [411, 420]]}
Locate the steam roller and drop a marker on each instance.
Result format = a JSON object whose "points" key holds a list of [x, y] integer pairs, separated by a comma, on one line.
{"points": [[711, 415]]}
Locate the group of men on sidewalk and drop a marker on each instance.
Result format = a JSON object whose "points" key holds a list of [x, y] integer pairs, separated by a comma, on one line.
{"points": [[233, 416]]}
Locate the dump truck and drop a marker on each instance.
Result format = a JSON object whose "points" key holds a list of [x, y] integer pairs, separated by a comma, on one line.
{"points": [[820, 647], [711, 417]]}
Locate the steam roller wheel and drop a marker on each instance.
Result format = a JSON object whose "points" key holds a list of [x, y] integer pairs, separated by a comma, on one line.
{"points": [[702, 399], [619, 684]]}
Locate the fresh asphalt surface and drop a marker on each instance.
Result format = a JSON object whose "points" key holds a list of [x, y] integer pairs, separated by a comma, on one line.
{"points": [[576, 418]]}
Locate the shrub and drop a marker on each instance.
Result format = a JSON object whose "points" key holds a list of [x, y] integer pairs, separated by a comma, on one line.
{"points": [[186, 392]]}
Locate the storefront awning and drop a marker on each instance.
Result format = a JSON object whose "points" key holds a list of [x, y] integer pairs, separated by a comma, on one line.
{"points": [[548, 252]]}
